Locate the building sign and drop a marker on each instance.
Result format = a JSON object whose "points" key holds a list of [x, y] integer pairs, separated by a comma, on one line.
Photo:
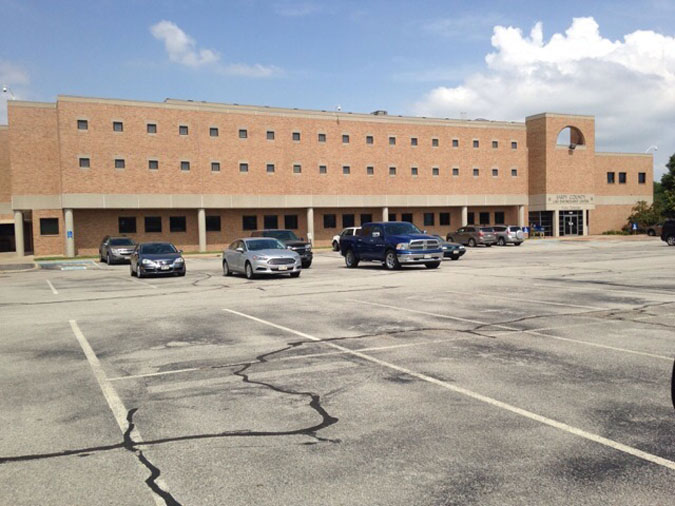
{"points": [[565, 201]]}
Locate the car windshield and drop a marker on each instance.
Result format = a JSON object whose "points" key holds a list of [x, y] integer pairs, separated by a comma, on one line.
{"points": [[159, 248], [259, 244], [284, 235], [121, 242], [401, 228]]}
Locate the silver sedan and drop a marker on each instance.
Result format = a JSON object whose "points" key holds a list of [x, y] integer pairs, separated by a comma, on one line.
{"points": [[260, 255]]}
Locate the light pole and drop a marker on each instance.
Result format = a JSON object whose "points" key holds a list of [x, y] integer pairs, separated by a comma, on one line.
{"points": [[655, 148], [7, 89]]}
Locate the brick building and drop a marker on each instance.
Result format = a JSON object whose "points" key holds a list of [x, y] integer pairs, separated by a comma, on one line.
{"points": [[202, 174]]}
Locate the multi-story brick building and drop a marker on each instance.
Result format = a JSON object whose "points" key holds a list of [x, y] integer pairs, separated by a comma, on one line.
{"points": [[201, 174]]}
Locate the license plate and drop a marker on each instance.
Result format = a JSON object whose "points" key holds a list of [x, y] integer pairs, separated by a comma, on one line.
{"points": [[427, 256], [283, 268], [165, 267]]}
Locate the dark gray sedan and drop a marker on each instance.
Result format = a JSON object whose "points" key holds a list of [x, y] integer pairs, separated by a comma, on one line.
{"points": [[451, 250], [260, 256], [157, 258], [115, 249]]}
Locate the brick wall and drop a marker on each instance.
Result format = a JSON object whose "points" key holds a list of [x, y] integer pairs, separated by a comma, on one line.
{"points": [[48, 244]]}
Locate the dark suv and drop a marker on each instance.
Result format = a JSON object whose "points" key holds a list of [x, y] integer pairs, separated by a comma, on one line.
{"points": [[668, 232], [291, 241]]}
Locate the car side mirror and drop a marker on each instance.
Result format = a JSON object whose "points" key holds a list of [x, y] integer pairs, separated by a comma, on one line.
{"points": [[240, 250], [180, 251], [424, 231], [376, 234]]}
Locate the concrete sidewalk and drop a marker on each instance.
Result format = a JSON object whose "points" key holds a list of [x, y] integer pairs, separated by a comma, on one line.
{"points": [[11, 262]]}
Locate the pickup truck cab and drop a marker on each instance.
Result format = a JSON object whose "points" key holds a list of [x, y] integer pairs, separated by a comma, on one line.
{"points": [[394, 243]]}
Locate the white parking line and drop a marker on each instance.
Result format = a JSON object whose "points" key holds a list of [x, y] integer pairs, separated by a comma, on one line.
{"points": [[479, 397], [54, 290], [114, 402], [534, 301], [524, 331]]}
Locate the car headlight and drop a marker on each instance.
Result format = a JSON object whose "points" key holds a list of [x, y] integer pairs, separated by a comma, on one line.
{"points": [[261, 258], [402, 245], [147, 261], [179, 261], [114, 251], [309, 247]]}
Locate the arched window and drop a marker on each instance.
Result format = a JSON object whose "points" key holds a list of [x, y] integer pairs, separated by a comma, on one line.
{"points": [[570, 136]]}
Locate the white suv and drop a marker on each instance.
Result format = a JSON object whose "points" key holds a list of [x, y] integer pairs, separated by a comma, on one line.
{"points": [[349, 231], [508, 234]]}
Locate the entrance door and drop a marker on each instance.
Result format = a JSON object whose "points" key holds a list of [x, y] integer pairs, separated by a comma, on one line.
{"points": [[571, 225]]}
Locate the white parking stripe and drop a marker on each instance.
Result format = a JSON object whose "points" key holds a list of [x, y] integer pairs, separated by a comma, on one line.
{"points": [[479, 397], [54, 291], [525, 331], [114, 402]]}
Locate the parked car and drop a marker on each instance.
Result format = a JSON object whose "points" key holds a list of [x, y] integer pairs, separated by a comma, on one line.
{"points": [[115, 249], [451, 250], [256, 256], [156, 258], [509, 234], [654, 230], [473, 235], [347, 232], [668, 232], [393, 243], [291, 241]]}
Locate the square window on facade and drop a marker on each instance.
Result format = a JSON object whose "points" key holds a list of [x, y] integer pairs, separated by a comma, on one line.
{"points": [[429, 219], [369, 139], [185, 166], [413, 141], [119, 163], [151, 128], [82, 124], [291, 221], [499, 218], [455, 143], [622, 178], [323, 169], [243, 167], [270, 221], [495, 172], [212, 223], [476, 143], [126, 224], [434, 143], [249, 223], [392, 141], [182, 130], [495, 144], [348, 220], [470, 218], [366, 218], [610, 177], [270, 168], [243, 133], [484, 218], [270, 135], [514, 145], [329, 221], [455, 171], [215, 166], [296, 136], [642, 177], [345, 139], [85, 163], [514, 172], [297, 168], [118, 126], [476, 172], [346, 170], [407, 217], [177, 224], [322, 137], [435, 171], [153, 224], [213, 132], [444, 219], [153, 164], [392, 171], [49, 226], [370, 170], [391, 217], [413, 171]]}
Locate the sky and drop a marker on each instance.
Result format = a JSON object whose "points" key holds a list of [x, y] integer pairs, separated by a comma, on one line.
{"points": [[500, 60]]}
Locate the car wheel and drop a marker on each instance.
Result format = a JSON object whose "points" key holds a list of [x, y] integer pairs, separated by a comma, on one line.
{"points": [[391, 260], [432, 265], [488, 245], [517, 243], [139, 274], [108, 260], [670, 240], [450, 239], [501, 241], [100, 257], [181, 273], [295, 274], [249, 271], [336, 246], [226, 269], [306, 265], [455, 257], [350, 259], [472, 242], [131, 270], [651, 233]]}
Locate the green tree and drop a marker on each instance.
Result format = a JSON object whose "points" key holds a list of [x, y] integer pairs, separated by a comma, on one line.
{"points": [[668, 187], [644, 215]]}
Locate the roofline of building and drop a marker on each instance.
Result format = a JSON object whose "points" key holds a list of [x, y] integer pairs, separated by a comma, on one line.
{"points": [[28, 103], [172, 103], [608, 153], [558, 115]]}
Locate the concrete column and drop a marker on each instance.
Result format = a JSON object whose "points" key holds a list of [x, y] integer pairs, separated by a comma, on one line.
{"points": [[521, 216], [385, 214], [18, 232], [310, 225], [201, 227], [465, 216], [556, 223], [70, 233], [587, 220]]}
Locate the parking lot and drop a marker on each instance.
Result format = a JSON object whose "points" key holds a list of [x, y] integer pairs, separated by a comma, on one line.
{"points": [[531, 375]]}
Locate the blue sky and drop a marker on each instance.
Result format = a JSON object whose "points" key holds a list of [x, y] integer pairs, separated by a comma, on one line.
{"points": [[417, 58]]}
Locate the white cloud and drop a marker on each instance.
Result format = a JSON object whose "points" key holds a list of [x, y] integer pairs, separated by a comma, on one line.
{"points": [[293, 9], [182, 49], [629, 85], [15, 78]]}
